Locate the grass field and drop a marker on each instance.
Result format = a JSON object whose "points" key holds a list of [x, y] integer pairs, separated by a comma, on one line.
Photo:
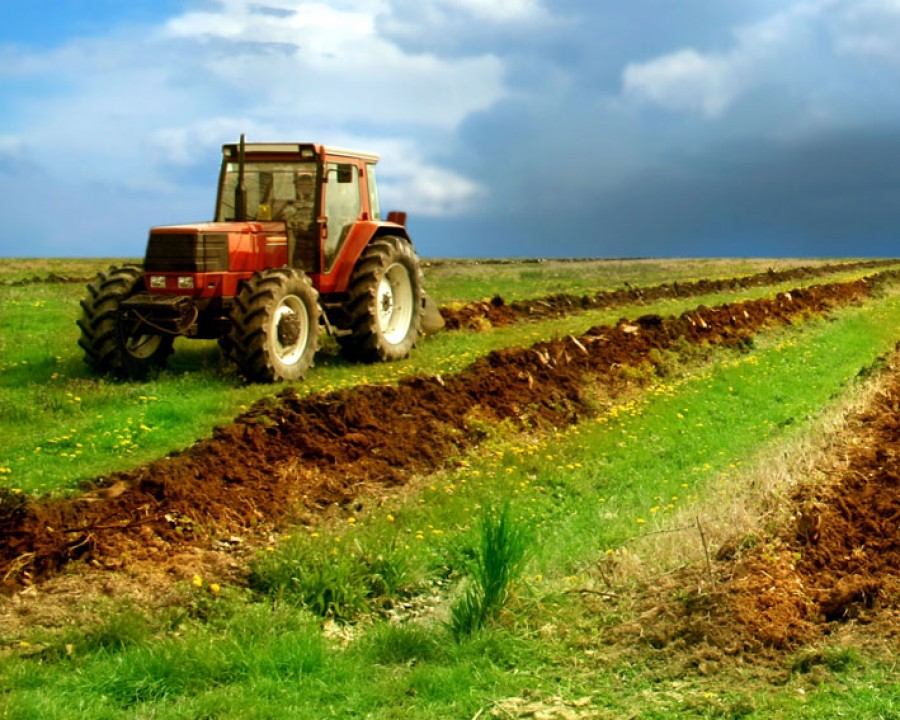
{"points": [[71, 425], [368, 611]]}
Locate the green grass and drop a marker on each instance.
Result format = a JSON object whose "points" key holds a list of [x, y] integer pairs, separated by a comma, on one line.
{"points": [[581, 492], [496, 567], [334, 581], [71, 425], [464, 281]]}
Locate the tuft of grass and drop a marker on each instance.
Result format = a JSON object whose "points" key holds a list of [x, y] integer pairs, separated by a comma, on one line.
{"points": [[331, 581], [503, 551], [391, 644], [125, 628], [836, 659]]}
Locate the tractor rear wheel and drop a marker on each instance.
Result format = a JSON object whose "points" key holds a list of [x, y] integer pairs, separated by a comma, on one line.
{"points": [[385, 302], [275, 326], [111, 341]]}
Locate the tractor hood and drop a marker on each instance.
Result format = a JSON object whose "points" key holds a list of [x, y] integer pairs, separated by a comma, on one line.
{"points": [[208, 227], [215, 246]]}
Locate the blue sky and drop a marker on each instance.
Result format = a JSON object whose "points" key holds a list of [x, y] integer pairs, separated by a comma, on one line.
{"points": [[593, 128]]}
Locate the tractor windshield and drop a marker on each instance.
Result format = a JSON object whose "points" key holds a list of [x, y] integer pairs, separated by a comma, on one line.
{"points": [[275, 191]]}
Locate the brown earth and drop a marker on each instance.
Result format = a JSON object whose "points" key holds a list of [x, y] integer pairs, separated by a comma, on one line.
{"points": [[840, 558], [832, 569], [288, 457], [497, 312]]}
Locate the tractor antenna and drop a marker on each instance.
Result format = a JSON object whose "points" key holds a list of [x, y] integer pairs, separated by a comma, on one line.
{"points": [[240, 192]]}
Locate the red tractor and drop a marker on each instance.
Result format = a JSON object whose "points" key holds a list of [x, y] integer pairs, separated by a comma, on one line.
{"points": [[297, 243]]}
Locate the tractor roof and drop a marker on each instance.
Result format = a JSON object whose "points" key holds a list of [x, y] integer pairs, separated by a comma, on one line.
{"points": [[231, 150]]}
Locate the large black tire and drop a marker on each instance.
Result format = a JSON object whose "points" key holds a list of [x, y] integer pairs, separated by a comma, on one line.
{"points": [[111, 342], [386, 302], [275, 326]]}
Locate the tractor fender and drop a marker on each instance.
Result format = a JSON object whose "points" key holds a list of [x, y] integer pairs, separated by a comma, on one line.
{"points": [[337, 279]]}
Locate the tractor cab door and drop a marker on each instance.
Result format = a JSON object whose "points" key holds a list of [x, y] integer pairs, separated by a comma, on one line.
{"points": [[342, 206]]}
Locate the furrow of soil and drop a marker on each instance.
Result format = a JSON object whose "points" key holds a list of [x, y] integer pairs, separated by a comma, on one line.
{"points": [[48, 279], [291, 456], [840, 558], [497, 312], [834, 564]]}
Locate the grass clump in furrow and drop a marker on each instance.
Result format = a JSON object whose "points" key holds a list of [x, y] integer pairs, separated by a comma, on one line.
{"points": [[497, 565], [334, 581]]}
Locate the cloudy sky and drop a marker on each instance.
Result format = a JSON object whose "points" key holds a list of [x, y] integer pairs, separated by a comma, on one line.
{"points": [[506, 127]]}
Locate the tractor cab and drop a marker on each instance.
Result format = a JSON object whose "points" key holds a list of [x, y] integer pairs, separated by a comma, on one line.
{"points": [[315, 194]]}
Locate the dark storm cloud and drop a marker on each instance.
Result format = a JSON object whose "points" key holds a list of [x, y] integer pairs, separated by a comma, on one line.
{"points": [[710, 129], [831, 195]]}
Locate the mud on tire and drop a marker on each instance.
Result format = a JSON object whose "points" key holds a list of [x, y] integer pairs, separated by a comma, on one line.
{"points": [[108, 343], [385, 302], [275, 326]]}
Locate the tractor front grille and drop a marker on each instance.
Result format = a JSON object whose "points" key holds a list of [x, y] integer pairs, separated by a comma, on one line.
{"points": [[187, 252]]}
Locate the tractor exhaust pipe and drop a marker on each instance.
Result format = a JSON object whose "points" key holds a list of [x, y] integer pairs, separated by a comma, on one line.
{"points": [[240, 192]]}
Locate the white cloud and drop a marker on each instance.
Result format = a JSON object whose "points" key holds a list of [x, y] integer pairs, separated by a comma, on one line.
{"points": [[500, 10], [130, 108], [185, 145], [684, 80], [869, 28], [710, 83], [11, 146], [456, 27], [408, 182], [334, 65]]}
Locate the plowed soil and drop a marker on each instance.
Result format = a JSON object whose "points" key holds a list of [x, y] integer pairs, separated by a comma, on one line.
{"points": [[833, 567], [497, 312], [841, 557], [289, 457], [48, 279]]}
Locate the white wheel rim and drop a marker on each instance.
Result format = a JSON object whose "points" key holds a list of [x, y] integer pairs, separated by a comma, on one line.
{"points": [[290, 308], [395, 303]]}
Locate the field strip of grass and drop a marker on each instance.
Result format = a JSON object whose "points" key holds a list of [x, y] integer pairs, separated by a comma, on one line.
{"points": [[72, 426], [464, 281], [461, 280], [580, 494], [498, 311], [323, 448]]}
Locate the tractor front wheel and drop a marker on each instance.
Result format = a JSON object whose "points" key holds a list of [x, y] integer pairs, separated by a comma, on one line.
{"points": [[275, 326], [111, 340], [385, 304]]}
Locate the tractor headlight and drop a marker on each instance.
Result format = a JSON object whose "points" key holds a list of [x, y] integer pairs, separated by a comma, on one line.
{"points": [[158, 281], [186, 282]]}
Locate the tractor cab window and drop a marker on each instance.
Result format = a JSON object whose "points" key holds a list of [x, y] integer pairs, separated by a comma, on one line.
{"points": [[275, 191], [342, 206], [373, 192]]}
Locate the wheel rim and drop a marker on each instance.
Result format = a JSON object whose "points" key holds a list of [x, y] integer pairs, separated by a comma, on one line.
{"points": [[395, 303], [290, 329], [142, 347], [138, 345]]}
